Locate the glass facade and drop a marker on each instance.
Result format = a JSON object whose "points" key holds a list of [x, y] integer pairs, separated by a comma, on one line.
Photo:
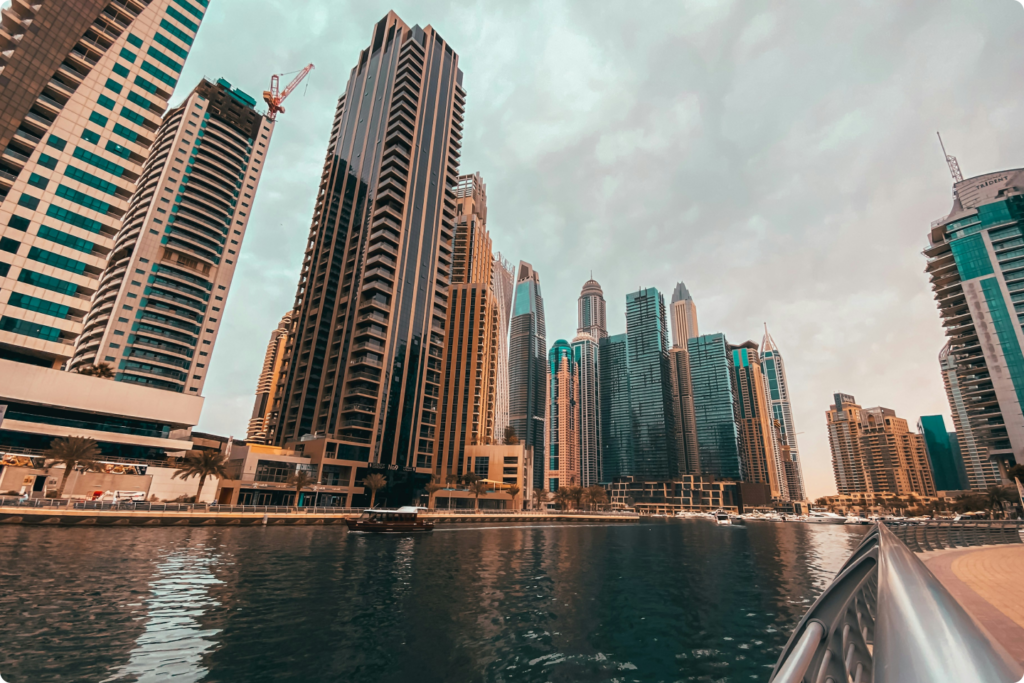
{"points": [[650, 386], [527, 370], [585, 351], [616, 427], [774, 368], [714, 404], [940, 453]]}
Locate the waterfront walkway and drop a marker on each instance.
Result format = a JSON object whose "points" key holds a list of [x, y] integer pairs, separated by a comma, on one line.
{"points": [[986, 580]]}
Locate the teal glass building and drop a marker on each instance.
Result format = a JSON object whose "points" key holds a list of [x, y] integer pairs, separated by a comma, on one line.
{"points": [[714, 402], [527, 372], [616, 426], [941, 455], [976, 268]]}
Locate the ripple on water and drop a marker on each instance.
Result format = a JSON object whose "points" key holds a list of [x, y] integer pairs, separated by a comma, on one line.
{"points": [[676, 600]]}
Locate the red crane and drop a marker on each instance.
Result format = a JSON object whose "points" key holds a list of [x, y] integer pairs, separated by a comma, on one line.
{"points": [[274, 98]]}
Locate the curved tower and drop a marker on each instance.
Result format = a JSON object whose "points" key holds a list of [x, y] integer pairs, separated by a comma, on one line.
{"points": [[526, 367], [592, 318], [266, 387], [562, 440], [782, 413]]}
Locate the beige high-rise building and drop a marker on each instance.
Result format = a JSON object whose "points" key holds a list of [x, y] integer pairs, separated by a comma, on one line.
{"points": [[684, 316], [469, 376], [874, 451], [160, 301], [982, 473], [759, 449], [84, 85], [562, 465], [266, 386], [686, 418]]}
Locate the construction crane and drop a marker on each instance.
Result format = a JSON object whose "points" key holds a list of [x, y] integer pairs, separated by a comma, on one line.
{"points": [[954, 165], [274, 98]]}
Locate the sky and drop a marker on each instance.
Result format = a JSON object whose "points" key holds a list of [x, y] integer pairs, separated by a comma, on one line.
{"points": [[780, 158]]}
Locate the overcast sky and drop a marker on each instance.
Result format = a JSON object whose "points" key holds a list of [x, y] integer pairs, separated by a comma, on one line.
{"points": [[780, 158]]}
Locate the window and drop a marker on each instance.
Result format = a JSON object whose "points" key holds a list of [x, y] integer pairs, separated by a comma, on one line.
{"points": [[106, 102], [98, 119], [90, 180], [9, 245], [121, 70], [117, 149], [98, 161], [177, 33], [78, 244], [128, 55], [74, 219], [132, 116], [89, 136], [4, 269], [134, 40], [139, 100], [28, 201], [170, 45], [19, 223], [31, 303], [54, 141], [81, 198], [36, 180], [164, 59], [180, 18], [28, 329], [125, 133], [158, 74], [144, 84], [47, 161], [56, 260]]}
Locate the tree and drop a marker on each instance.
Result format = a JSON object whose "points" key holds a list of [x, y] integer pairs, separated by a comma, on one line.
{"points": [[452, 479], [539, 497], [374, 482], [298, 480], [469, 478], [513, 491], [101, 370], [595, 496], [202, 463], [73, 451], [433, 487], [576, 496], [478, 488], [563, 498], [511, 439], [1015, 472], [997, 495]]}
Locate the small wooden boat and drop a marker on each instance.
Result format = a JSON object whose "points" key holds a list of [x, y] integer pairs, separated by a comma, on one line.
{"points": [[404, 520]]}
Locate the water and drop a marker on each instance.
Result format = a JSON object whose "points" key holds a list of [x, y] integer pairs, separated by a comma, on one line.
{"points": [[664, 600]]}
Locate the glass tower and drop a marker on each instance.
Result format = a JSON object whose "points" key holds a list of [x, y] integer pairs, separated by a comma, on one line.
{"points": [[503, 288], [758, 445], [616, 425], [652, 409], [684, 316], [979, 471], [365, 361], [940, 453], [562, 462], [714, 402], [591, 311], [527, 367], [586, 353], [976, 267], [782, 412], [84, 85]]}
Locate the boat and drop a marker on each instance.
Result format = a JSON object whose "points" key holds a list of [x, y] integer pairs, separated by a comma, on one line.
{"points": [[722, 517], [821, 517], [858, 520], [404, 520]]}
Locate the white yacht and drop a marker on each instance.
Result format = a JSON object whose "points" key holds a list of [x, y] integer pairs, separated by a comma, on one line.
{"points": [[822, 517], [722, 517]]}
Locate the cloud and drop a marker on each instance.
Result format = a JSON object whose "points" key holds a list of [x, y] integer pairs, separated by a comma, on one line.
{"points": [[780, 158]]}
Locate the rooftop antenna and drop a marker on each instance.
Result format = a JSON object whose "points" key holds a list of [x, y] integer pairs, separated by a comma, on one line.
{"points": [[954, 166]]}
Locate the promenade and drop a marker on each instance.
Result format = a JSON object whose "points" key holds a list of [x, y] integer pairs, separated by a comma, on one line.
{"points": [[986, 581]]}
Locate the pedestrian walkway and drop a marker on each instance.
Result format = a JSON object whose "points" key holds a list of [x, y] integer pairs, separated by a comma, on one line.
{"points": [[987, 581]]}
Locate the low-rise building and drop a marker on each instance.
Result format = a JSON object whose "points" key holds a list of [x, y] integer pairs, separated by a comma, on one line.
{"points": [[500, 466], [688, 493]]}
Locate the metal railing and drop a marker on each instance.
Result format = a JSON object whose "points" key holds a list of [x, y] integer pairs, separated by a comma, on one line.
{"points": [[925, 536], [529, 513], [51, 503], [887, 619]]}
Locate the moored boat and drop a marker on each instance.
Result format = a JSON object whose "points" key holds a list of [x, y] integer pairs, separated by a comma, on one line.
{"points": [[722, 517], [404, 520], [821, 517]]}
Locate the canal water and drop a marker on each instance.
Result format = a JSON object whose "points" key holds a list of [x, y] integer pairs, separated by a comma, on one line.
{"points": [[663, 600]]}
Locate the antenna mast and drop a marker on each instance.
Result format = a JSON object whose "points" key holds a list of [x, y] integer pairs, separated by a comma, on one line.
{"points": [[954, 165]]}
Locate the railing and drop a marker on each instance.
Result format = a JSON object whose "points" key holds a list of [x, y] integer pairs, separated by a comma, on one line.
{"points": [[169, 507], [887, 619], [530, 513], [924, 536]]}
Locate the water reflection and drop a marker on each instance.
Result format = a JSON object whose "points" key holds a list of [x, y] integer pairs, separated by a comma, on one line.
{"points": [[173, 642]]}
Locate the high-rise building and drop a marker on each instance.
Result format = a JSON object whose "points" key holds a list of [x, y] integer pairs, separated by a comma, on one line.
{"points": [[759, 449], [160, 301], [940, 453], [976, 271], [782, 411], [266, 386], [684, 316], [686, 419], [469, 381], [365, 362], [591, 311], [715, 409], [586, 354], [980, 471], [616, 419], [84, 84], [562, 452], [874, 451], [503, 287], [527, 367], [652, 410]]}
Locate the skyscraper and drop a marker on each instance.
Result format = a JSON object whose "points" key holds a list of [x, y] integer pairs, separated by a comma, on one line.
{"points": [[976, 271], [503, 288], [161, 298], [527, 367], [266, 386], [686, 419], [616, 421], [715, 409], [782, 410], [652, 410], [469, 382], [684, 316], [759, 449], [941, 455], [981, 472], [83, 87], [591, 311], [874, 451], [364, 367], [586, 354], [562, 455]]}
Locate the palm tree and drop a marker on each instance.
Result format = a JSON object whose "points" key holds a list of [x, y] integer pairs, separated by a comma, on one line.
{"points": [[469, 478], [478, 488], [563, 498], [299, 480], [374, 482], [539, 496], [452, 479], [202, 463], [996, 496], [510, 436], [513, 491], [576, 495], [595, 496], [433, 487], [101, 370], [73, 451]]}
